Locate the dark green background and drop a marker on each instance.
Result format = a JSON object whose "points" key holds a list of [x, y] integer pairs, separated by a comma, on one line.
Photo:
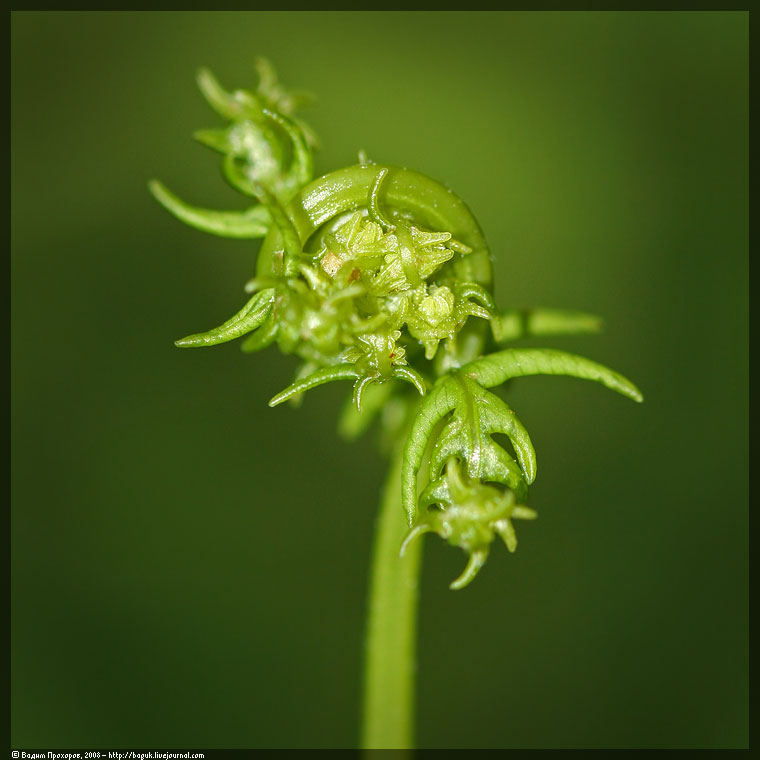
{"points": [[189, 566]]}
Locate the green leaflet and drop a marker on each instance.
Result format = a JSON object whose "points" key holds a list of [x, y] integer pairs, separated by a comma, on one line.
{"points": [[375, 212], [524, 323], [320, 377], [471, 290], [274, 94], [477, 415], [253, 155], [291, 240], [411, 376], [254, 222], [468, 433], [501, 366], [301, 162], [465, 436], [346, 372], [242, 104], [248, 318], [436, 405], [220, 140], [263, 337], [237, 105]]}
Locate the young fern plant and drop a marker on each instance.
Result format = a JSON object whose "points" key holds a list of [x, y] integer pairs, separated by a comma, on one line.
{"points": [[381, 276]]}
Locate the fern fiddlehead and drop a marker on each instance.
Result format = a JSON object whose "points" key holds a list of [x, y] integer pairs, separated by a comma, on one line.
{"points": [[378, 274]]}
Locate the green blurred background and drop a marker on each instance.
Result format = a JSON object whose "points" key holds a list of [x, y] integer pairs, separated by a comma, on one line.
{"points": [[176, 582]]}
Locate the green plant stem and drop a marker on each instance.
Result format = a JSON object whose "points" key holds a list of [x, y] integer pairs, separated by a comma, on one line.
{"points": [[390, 656]]}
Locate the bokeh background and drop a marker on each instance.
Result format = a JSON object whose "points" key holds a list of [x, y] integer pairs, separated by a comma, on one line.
{"points": [[189, 567]]}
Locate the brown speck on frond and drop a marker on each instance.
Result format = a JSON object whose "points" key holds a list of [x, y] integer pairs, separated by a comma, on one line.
{"points": [[331, 263]]}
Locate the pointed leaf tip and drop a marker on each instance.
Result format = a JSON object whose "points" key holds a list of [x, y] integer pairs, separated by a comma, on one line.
{"points": [[321, 376], [253, 222], [496, 368], [476, 561]]}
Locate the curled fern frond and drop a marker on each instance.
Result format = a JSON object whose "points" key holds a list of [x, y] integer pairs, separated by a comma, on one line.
{"points": [[262, 145], [254, 157], [376, 273]]}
